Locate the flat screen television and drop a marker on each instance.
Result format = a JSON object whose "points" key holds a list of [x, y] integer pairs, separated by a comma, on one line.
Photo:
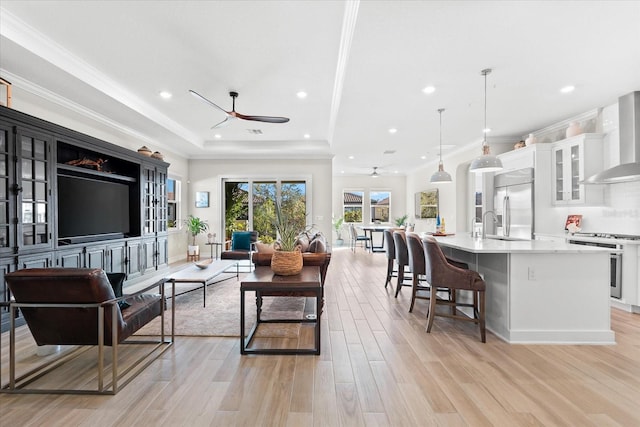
{"points": [[89, 207]]}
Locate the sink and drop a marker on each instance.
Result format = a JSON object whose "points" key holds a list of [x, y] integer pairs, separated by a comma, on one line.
{"points": [[509, 239]]}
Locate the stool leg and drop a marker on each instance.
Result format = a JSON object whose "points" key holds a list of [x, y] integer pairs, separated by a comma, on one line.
{"points": [[483, 335]]}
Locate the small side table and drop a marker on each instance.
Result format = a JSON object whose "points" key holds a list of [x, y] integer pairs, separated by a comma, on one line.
{"points": [[217, 245], [265, 283]]}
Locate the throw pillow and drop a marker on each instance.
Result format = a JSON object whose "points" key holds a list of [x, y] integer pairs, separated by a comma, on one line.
{"points": [[265, 248], [116, 280], [318, 246], [303, 242], [241, 241]]}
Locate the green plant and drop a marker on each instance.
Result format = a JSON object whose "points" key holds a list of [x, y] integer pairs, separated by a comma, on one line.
{"points": [[195, 226], [287, 230], [401, 221], [337, 225]]}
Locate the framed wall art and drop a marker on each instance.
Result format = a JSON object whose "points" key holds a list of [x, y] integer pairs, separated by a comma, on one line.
{"points": [[202, 199]]}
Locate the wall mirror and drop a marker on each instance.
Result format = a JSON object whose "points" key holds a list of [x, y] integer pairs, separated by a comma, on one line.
{"points": [[427, 204]]}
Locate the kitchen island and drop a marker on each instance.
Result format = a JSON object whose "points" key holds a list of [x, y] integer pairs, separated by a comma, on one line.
{"points": [[540, 291]]}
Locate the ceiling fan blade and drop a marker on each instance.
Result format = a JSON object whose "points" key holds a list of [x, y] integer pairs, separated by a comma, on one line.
{"points": [[202, 98], [223, 123], [267, 119]]}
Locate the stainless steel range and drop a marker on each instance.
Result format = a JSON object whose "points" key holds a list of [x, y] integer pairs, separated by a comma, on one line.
{"points": [[612, 241]]}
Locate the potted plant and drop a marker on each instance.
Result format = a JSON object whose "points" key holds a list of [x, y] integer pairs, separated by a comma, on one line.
{"points": [[337, 225], [195, 226], [401, 221], [287, 258]]}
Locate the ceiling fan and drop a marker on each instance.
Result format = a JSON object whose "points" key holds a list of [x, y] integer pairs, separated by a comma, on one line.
{"points": [[375, 172], [231, 115]]}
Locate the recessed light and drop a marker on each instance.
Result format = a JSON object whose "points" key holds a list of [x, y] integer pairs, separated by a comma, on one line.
{"points": [[486, 130], [423, 157], [166, 95], [395, 171], [307, 136], [217, 136], [429, 89], [301, 94], [351, 157], [567, 89], [393, 130], [341, 171]]}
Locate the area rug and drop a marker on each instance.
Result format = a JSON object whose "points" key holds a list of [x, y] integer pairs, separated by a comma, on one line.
{"points": [[221, 316]]}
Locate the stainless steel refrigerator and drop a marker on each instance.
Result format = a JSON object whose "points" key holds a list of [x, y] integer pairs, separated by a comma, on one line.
{"points": [[513, 203]]}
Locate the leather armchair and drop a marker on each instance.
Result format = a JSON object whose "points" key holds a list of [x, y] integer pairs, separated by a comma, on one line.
{"points": [[69, 306]]}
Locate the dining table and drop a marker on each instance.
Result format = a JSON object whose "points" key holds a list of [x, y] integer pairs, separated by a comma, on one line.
{"points": [[376, 228]]}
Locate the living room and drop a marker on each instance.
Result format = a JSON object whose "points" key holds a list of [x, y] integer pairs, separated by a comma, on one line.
{"points": [[374, 75]]}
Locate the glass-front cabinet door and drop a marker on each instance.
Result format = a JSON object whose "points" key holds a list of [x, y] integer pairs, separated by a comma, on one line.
{"points": [[7, 239], [154, 198], [33, 190]]}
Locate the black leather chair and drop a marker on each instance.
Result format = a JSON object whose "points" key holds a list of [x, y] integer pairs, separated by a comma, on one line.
{"points": [[390, 251]]}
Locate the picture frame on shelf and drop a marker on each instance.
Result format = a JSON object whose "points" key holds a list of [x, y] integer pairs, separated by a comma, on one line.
{"points": [[202, 199]]}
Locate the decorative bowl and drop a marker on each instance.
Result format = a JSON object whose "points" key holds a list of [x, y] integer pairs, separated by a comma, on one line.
{"points": [[157, 155], [203, 264]]}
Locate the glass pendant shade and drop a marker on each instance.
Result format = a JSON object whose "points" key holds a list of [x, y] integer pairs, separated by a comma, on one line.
{"points": [[485, 162], [440, 177]]}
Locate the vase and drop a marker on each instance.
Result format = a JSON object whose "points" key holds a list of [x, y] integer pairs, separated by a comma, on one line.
{"points": [[573, 129], [531, 139], [285, 263]]}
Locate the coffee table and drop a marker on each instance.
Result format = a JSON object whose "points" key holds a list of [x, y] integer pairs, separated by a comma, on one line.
{"points": [[264, 282], [204, 276]]}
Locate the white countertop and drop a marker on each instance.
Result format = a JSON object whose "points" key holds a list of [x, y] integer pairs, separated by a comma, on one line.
{"points": [[476, 245]]}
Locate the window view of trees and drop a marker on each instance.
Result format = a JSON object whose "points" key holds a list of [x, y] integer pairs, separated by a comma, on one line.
{"points": [[380, 201], [259, 215], [352, 206]]}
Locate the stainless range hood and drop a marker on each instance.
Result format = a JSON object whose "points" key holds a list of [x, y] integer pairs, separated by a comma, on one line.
{"points": [[629, 120]]}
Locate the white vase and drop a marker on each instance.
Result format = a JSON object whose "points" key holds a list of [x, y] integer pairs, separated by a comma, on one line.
{"points": [[573, 129], [193, 250], [531, 139]]}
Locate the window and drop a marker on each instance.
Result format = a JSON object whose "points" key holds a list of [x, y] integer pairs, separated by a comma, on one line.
{"points": [[352, 206], [173, 203], [259, 215], [380, 203]]}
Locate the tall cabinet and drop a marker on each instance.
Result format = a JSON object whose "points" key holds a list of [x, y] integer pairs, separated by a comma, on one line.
{"points": [[35, 157]]}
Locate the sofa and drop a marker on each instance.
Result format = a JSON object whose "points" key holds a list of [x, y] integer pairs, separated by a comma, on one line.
{"points": [[315, 251]]}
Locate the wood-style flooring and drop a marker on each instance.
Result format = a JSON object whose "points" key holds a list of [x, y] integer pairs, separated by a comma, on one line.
{"points": [[378, 367]]}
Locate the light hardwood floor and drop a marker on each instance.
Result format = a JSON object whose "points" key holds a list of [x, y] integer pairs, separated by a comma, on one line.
{"points": [[378, 367]]}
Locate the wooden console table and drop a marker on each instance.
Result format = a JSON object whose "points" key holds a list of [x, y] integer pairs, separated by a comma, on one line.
{"points": [[263, 279]]}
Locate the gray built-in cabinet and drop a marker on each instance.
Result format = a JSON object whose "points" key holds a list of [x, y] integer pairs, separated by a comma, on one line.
{"points": [[73, 201]]}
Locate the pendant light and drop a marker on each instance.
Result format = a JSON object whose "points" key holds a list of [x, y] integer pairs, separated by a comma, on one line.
{"points": [[485, 162], [440, 177]]}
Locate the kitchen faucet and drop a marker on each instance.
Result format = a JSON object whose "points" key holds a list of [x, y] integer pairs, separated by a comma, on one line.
{"points": [[484, 227]]}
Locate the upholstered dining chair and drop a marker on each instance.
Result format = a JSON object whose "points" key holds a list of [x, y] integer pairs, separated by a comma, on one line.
{"points": [[355, 238], [390, 252], [442, 274], [402, 258], [417, 265]]}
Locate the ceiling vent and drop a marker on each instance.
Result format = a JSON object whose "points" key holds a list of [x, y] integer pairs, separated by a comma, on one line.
{"points": [[389, 152], [255, 131]]}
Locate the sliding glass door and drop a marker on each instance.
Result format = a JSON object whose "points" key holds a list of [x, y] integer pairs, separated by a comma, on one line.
{"points": [[250, 205]]}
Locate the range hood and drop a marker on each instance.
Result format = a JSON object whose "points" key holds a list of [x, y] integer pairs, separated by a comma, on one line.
{"points": [[629, 120]]}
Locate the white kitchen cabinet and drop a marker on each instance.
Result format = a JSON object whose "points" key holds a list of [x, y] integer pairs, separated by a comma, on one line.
{"points": [[573, 160]]}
